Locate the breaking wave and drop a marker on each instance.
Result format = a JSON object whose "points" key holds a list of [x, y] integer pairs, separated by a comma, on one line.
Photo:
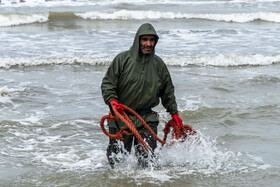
{"points": [[5, 93], [224, 60], [10, 62], [19, 19], [5, 90], [221, 60], [55, 3], [138, 15]]}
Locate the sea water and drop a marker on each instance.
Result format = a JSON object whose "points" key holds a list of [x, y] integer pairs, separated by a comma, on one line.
{"points": [[223, 57]]}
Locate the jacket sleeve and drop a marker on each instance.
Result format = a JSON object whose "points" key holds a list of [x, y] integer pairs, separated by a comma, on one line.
{"points": [[110, 81], [167, 92]]}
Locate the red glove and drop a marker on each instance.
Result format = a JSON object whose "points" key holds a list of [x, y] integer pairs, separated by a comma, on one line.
{"points": [[177, 119], [119, 106]]}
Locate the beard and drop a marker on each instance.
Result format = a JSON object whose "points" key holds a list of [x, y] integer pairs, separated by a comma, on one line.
{"points": [[145, 50]]}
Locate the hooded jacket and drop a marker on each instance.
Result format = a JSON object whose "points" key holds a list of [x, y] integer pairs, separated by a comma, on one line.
{"points": [[139, 81]]}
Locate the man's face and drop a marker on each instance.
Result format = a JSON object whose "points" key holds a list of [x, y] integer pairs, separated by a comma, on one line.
{"points": [[147, 44]]}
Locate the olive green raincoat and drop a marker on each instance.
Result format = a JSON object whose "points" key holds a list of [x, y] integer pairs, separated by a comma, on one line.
{"points": [[139, 81]]}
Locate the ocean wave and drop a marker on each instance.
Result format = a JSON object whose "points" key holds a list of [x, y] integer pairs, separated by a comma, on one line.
{"points": [[19, 19], [138, 15], [6, 91], [54, 3], [222, 60], [11, 62]]}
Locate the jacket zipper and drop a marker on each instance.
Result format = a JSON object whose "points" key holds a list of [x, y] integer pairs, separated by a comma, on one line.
{"points": [[144, 64]]}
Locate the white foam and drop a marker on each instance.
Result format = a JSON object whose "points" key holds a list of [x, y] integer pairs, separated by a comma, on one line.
{"points": [[32, 3], [204, 158], [222, 60], [33, 119], [265, 1], [72, 160], [190, 103], [5, 100], [197, 155], [6, 91], [9, 62], [201, 156], [215, 2], [19, 19], [138, 15]]}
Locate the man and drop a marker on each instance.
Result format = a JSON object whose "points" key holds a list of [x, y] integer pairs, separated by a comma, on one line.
{"points": [[138, 78]]}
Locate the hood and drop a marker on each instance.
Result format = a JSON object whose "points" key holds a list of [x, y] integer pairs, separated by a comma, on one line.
{"points": [[146, 28]]}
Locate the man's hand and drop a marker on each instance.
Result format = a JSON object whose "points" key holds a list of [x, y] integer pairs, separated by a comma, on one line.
{"points": [[177, 119], [119, 106]]}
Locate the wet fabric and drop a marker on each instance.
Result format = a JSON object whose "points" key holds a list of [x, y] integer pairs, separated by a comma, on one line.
{"points": [[139, 81]]}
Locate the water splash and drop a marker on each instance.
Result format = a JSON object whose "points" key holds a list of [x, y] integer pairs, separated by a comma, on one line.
{"points": [[199, 154]]}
